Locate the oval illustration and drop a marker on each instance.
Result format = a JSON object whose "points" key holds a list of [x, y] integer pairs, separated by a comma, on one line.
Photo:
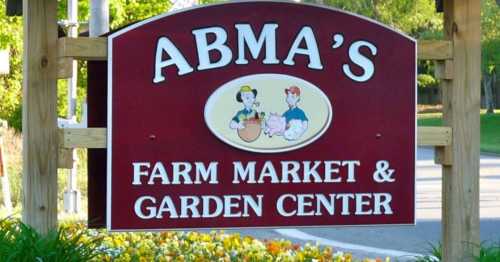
{"points": [[268, 113]]}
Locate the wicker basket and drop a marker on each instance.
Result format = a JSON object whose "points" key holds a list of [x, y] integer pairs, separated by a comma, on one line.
{"points": [[251, 131]]}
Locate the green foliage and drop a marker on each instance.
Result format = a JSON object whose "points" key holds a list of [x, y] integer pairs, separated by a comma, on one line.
{"points": [[489, 253], [75, 242], [11, 35], [121, 12], [417, 18], [124, 12], [83, 10], [490, 37], [20, 242], [435, 254], [425, 81]]}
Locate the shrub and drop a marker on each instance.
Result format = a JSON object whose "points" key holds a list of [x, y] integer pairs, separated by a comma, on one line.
{"points": [[425, 81], [489, 253], [19, 242]]}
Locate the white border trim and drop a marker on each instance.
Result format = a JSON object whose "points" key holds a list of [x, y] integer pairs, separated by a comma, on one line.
{"points": [[256, 227], [154, 18], [109, 133], [416, 138], [210, 103]]}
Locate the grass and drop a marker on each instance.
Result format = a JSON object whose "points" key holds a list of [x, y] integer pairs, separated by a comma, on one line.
{"points": [[490, 129]]}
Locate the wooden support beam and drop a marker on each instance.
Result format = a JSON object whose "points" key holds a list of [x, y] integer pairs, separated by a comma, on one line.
{"points": [[461, 105], [443, 155], [434, 50], [40, 137], [64, 67], [83, 48], [444, 69], [95, 48], [96, 137], [83, 137], [434, 136], [65, 158]]}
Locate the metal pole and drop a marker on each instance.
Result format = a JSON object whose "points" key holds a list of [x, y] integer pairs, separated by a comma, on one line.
{"points": [[72, 195], [99, 17]]}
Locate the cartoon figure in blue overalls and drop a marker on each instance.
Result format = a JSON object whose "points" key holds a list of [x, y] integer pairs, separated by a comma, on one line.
{"points": [[247, 121]]}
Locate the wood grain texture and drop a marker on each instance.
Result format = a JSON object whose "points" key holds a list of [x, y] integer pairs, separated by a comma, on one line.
{"points": [[434, 136], [461, 105], [444, 69], [40, 137], [83, 137], [64, 67], [434, 49], [96, 137], [65, 158], [95, 48], [443, 155], [83, 48]]}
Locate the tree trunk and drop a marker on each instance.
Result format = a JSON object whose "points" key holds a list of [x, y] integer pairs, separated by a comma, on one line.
{"points": [[489, 103], [496, 89]]}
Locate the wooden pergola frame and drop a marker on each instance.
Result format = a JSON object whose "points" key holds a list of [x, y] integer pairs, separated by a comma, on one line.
{"points": [[458, 58]]}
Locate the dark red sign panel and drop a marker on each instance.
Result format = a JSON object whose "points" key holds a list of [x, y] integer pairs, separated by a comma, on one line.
{"points": [[260, 114]]}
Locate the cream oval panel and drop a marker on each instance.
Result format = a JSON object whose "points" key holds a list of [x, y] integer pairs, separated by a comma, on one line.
{"points": [[268, 113]]}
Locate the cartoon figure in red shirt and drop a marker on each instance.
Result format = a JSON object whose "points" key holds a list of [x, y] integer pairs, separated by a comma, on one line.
{"points": [[293, 123]]}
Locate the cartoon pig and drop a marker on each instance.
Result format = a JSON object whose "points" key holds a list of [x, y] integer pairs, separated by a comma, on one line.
{"points": [[275, 125]]}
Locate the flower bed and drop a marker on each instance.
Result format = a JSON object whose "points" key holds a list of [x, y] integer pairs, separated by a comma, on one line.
{"points": [[194, 246], [82, 244]]}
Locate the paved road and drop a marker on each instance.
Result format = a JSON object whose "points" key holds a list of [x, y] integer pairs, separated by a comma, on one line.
{"points": [[404, 241]]}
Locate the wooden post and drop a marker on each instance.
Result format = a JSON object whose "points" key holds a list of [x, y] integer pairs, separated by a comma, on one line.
{"points": [[40, 141], [461, 105]]}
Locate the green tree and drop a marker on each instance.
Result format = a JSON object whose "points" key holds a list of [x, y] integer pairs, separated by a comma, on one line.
{"points": [[490, 48], [122, 13], [416, 18], [11, 35]]}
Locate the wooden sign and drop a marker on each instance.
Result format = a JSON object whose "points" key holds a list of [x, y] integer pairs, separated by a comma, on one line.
{"points": [[260, 114]]}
